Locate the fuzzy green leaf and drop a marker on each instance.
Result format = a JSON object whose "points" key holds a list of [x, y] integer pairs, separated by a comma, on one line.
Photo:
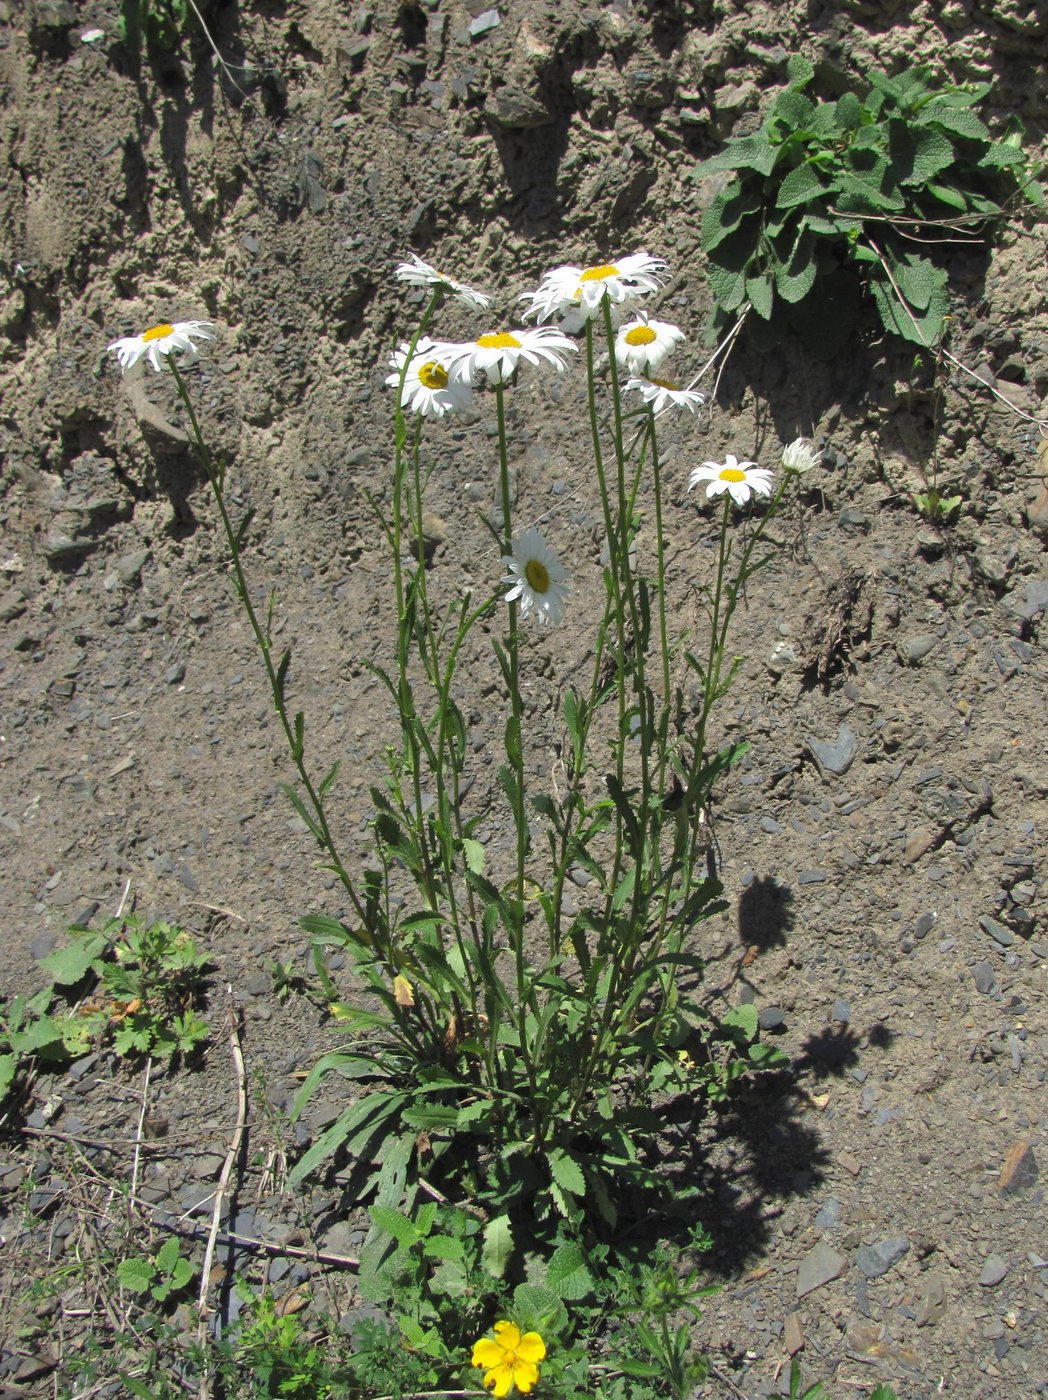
{"points": [[800, 186], [917, 153], [848, 112], [1000, 156], [960, 121], [136, 1274], [799, 70], [67, 966], [742, 1019], [946, 194], [760, 293], [538, 1309], [498, 1246], [566, 1171], [731, 208], [793, 110], [923, 327], [567, 1274], [8, 1066], [742, 153], [795, 277]]}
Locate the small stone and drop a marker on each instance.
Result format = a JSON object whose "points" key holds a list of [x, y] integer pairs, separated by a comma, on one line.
{"points": [[914, 649], [821, 1266], [850, 1164], [811, 877], [923, 926], [834, 755], [876, 1259], [129, 566], [997, 931], [1019, 1169], [918, 843], [793, 1333], [982, 975], [993, 1271], [517, 110], [841, 1012], [828, 1214], [771, 1018], [1034, 601], [483, 23], [932, 1301]]}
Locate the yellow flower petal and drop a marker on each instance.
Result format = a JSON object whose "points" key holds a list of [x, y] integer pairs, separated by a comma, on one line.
{"points": [[488, 1353], [499, 1380], [525, 1375], [531, 1348], [508, 1334]]}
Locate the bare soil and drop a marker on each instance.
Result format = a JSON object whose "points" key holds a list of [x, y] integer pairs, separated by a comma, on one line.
{"points": [[882, 845]]}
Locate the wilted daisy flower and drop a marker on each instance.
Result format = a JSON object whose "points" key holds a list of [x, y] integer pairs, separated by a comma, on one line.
{"points": [[162, 340], [498, 353], [642, 344], [428, 387], [585, 288], [664, 393], [421, 274], [539, 579], [801, 456], [739, 479]]}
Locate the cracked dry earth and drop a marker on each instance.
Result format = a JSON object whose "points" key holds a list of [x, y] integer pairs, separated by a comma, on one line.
{"points": [[879, 1213]]}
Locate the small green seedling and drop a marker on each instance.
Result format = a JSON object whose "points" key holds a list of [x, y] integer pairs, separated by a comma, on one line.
{"points": [[159, 1275], [933, 506]]}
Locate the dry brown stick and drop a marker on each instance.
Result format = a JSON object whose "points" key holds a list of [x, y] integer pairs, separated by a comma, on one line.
{"points": [[138, 1134], [223, 1180]]}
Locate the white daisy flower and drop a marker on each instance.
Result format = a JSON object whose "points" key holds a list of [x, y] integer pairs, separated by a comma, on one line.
{"points": [[584, 288], [497, 354], [421, 274], [801, 456], [664, 393], [428, 387], [642, 344], [162, 340], [540, 581], [739, 479]]}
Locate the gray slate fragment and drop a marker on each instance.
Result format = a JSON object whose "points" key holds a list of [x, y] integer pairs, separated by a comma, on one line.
{"points": [[993, 1271], [876, 1259], [914, 649], [517, 110], [488, 20], [1034, 601], [932, 1301], [828, 1214], [982, 973], [821, 1266], [997, 932], [834, 755]]}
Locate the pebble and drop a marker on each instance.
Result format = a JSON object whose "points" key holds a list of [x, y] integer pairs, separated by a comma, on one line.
{"points": [[841, 1012], [914, 649], [828, 1214], [993, 1271], [771, 1018], [175, 673], [483, 23], [982, 974], [820, 1267], [834, 755], [997, 931], [876, 1259], [1019, 1169], [931, 1304]]}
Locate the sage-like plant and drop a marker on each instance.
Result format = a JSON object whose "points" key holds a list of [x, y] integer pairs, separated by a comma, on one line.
{"points": [[514, 1043]]}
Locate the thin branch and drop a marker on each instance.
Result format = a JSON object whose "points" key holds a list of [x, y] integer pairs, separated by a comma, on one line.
{"points": [[223, 1181], [138, 1134]]}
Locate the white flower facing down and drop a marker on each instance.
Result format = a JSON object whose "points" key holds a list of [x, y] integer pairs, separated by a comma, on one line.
{"points": [[739, 479], [539, 580], [663, 393], [642, 344], [422, 274], [428, 386], [584, 288], [159, 341], [801, 456], [498, 353]]}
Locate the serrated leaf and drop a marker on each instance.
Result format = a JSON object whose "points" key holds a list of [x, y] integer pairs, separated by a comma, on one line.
{"points": [[728, 212], [538, 1309], [799, 70], [498, 1246], [741, 1018], [918, 279], [167, 1255], [443, 1247], [760, 293], [743, 153], [849, 112], [68, 966], [566, 1171], [474, 854], [961, 121], [923, 327], [567, 1274], [136, 1275], [917, 154], [394, 1223]]}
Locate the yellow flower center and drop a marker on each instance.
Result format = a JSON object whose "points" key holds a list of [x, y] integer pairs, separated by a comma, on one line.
{"points": [[732, 474], [158, 332], [537, 575], [500, 341], [600, 274], [666, 384], [433, 375], [640, 335]]}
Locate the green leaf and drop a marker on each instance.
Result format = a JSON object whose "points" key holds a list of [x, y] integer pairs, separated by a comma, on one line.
{"points": [[799, 70], [136, 1274], [135, 1386], [917, 154], [474, 854], [566, 1171], [731, 208], [167, 1255], [849, 112], [498, 1246], [394, 1223], [567, 1274], [946, 194], [8, 1067], [444, 1247], [929, 322], [537, 1309], [741, 1018], [793, 109], [800, 186], [743, 153], [960, 121], [68, 966], [795, 277]]}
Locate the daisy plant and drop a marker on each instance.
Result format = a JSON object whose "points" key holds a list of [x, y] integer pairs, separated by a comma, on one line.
{"points": [[516, 1038]]}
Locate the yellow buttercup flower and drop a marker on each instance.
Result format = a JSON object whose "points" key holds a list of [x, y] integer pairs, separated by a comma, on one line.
{"points": [[509, 1359]]}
